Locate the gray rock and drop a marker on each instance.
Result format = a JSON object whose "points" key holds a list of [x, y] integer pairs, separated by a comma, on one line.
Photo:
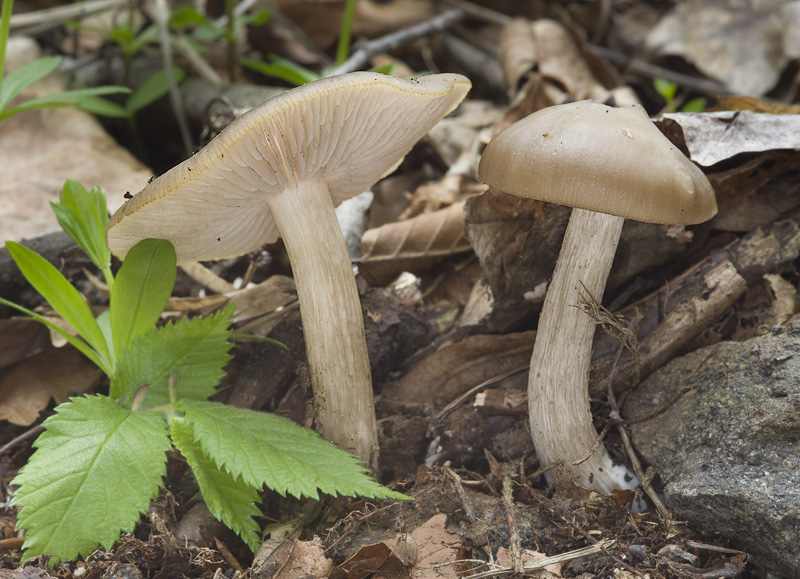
{"points": [[727, 450]]}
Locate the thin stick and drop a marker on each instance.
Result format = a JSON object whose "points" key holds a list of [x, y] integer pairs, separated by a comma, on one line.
{"points": [[361, 57], [30, 433], [60, 14]]}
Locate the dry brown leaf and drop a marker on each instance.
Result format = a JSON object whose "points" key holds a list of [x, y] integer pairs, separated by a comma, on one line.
{"points": [[718, 136], [41, 148], [19, 338], [516, 52], [307, 559], [747, 49], [457, 366], [387, 559], [413, 245], [530, 557], [437, 550], [745, 103], [28, 386]]}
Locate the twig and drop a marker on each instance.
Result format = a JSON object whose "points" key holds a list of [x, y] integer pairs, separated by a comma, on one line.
{"points": [[56, 16], [297, 34], [30, 433], [161, 16], [562, 558], [475, 389], [626, 441], [362, 56], [514, 539], [477, 11]]}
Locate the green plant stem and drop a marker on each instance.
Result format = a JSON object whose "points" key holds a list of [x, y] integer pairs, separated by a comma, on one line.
{"points": [[343, 49], [127, 55], [231, 34], [5, 26], [109, 277]]}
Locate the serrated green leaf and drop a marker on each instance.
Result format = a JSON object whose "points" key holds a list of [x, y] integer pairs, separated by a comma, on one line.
{"points": [[265, 449], [84, 216], [228, 498], [95, 470], [62, 297], [141, 290], [19, 78], [195, 350]]}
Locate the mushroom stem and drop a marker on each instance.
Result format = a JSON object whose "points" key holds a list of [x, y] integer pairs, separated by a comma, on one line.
{"points": [[332, 322], [558, 393]]}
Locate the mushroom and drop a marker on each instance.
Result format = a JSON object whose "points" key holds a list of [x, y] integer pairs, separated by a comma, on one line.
{"points": [[609, 164], [280, 169]]}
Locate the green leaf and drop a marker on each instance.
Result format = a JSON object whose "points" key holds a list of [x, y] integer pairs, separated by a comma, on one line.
{"points": [[265, 449], [283, 69], [104, 108], [16, 80], [95, 470], [61, 296], [228, 498], [84, 216], [195, 350], [184, 16], [141, 290], [155, 87], [696, 105], [79, 344], [148, 35], [665, 88]]}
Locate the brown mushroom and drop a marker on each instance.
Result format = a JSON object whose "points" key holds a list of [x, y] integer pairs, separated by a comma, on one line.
{"points": [[609, 164], [279, 170]]}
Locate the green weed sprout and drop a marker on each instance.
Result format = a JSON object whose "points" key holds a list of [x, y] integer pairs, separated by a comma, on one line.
{"points": [[297, 74], [667, 91], [15, 82], [101, 459]]}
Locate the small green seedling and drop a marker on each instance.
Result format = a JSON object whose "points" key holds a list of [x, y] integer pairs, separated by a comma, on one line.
{"points": [[19, 79], [101, 459], [667, 90], [296, 74], [198, 29], [155, 87]]}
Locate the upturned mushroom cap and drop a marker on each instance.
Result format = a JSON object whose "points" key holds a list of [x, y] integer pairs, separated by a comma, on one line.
{"points": [[347, 131], [604, 159]]}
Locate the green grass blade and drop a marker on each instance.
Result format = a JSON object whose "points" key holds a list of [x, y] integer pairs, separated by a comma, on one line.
{"points": [[61, 296], [16, 80], [79, 344]]}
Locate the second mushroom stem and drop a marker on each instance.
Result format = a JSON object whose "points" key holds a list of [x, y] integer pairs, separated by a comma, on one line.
{"points": [[558, 394], [332, 322]]}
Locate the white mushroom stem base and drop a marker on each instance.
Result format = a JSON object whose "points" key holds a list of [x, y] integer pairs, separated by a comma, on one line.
{"points": [[558, 384], [332, 322]]}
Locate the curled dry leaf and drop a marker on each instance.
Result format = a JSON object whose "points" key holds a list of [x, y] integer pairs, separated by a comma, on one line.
{"points": [[26, 389], [565, 68], [516, 52], [413, 245], [459, 365]]}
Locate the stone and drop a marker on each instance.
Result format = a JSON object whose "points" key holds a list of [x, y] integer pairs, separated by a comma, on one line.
{"points": [[726, 445]]}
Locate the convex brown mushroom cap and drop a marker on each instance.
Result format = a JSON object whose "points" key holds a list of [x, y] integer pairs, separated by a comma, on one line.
{"points": [[346, 131], [599, 158]]}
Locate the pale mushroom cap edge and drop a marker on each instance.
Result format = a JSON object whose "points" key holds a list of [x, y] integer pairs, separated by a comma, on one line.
{"points": [[347, 131], [604, 159]]}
